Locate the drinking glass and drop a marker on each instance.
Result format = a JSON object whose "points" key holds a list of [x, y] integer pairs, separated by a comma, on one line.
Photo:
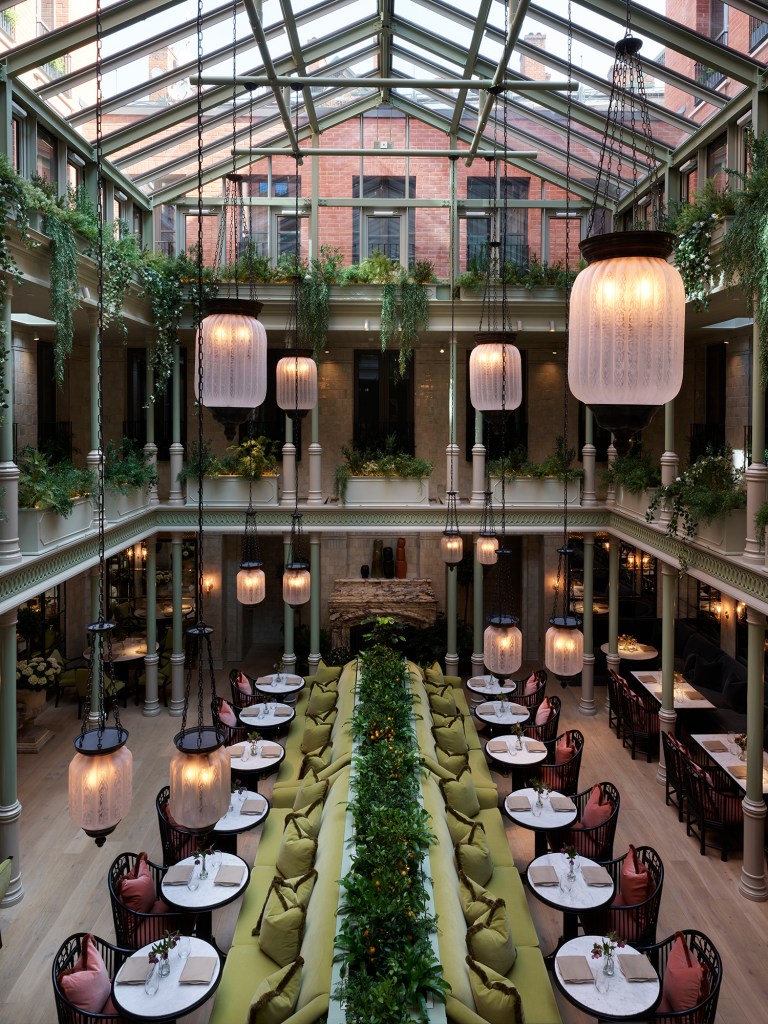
{"points": [[152, 981], [215, 861], [194, 880], [185, 947], [246, 751], [602, 981]]}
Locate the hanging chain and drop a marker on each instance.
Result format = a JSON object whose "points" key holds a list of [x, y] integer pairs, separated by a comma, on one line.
{"points": [[452, 251]]}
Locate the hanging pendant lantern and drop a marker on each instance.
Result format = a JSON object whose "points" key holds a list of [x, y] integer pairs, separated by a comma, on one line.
{"points": [[487, 542], [100, 778], [502, 639], [296, 576], [250, 581], [495, 367], [296, 379], [451, 543], [564, 641]]}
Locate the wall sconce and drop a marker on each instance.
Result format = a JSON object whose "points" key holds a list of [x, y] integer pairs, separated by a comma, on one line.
{"points": [[208, 584], [741, 611], [719, 611]]}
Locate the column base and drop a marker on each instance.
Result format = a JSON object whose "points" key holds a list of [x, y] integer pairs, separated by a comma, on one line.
{"points": [[32, 739], [451, 664], [478, 664], [587, 698], [313, 660], [9, 844], [753, 884], [151, 699], [176, 703]]}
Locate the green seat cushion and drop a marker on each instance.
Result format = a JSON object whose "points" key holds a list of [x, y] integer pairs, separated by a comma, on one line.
{"points": [[433, 676], [326, 674], [308, 792], [275, 998], [335, 766], [454, 763], [474, 858], [314, 762], [321, 700], [460, 793], [530, 977], [315, 736], [496, 999], [294, 890], [297, 851], [282, 927], [489, 939], [475, 899], [450, 735], [437, 768], [507, 884], [308, 818], [322, 717], [442, 704]]}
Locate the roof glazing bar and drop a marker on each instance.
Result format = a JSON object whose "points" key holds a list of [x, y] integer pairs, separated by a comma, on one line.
{"points": [[298, 58], [473, 51], [489, 154], [254, 17], [511, 85]]}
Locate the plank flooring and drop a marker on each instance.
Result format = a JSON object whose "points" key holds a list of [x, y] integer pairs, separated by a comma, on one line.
{"points": [[64, 874]]}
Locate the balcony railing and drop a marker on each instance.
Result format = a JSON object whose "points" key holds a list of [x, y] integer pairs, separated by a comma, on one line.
{"points": [[709, 77], [58, 67], [8, 23], [758, 31]]}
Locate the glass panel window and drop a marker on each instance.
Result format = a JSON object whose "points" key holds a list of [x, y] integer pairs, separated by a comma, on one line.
{"points": [[46, 156], [511, 227], [382, 230], [383, 401]]}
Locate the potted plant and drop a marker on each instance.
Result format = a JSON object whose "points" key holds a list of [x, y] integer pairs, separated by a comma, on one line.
{"points": [[536, 483], [707, 500], [34, 677], [54, 501], [252, 464], [694, 224], [128, 475], [631, 476], [384, 476]]}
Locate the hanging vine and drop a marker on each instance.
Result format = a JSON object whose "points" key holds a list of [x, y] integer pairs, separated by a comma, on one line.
{"points": [[64, 296], [13, 204]]}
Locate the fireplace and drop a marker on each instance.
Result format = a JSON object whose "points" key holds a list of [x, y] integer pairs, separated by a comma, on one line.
{"points": [[353, 600]]}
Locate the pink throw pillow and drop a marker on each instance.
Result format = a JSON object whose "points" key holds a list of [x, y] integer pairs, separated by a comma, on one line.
{"points": [[596, 811], [545, 712], [87, 985], [564, 750], [532, 683], [243, 684], [635, 881], [137, 888], [684, 979], [226, 714]]}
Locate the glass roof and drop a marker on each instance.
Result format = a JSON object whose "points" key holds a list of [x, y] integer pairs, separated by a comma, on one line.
{"points": [[150, 53]]}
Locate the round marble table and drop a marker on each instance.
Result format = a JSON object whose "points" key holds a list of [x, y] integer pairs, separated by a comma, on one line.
{"points": [[511, 714], [540, 823], [234, 821], [171, 1000], [643, 652], [623, 999], [208, 895], [274, 687], [483, 687], [264, 717], [569, 898], [254, 766]]}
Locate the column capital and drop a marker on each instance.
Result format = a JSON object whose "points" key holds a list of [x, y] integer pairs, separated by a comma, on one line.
{"points": [[755, 618]]}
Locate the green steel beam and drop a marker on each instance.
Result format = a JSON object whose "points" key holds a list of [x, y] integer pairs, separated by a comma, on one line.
{"points": [[396, 82], [651, 67], [138, 48], [491, 154], [386, 11], [473, 52], [253, 10], [298, 59], [81, 32], [754, 8], [671, 33], [715, 126]]}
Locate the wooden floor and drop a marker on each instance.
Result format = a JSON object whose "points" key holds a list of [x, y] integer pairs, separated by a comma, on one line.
{"points": [[64, 874]]}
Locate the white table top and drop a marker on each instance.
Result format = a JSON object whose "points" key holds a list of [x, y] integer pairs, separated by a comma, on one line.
{"points": [[234, 822], [490, 684], [651, 680], [162, 611], [509, 715], [623, 998], [728, 759], [252, 763], [286, 684], [171, 999], [643, 652], [514, 756], [580, 896], [548, 819], [208, 895], [259, 716], [124, 650], [598, 607]]}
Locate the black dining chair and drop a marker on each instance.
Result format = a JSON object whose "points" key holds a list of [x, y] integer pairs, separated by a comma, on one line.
{"points": [[633, 922], [675, 756], [593, 841], [714, 808], [562, 777], [640, 715], [547, 731], [703, 949], [134, 928], [240, 698], [66, 956]]}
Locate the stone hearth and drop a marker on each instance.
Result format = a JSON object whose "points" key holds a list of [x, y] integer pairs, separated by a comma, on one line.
{"points": [[351, 601]]}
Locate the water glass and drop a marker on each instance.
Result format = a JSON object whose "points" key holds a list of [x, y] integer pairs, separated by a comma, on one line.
{"points": [[152, 981], [215, 861], [499, 709], [185, 947], [194, 880], [602, 981], [246, 751]]}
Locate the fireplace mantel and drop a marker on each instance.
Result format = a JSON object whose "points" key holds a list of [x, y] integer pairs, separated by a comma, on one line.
{"points": [[353, 600]]}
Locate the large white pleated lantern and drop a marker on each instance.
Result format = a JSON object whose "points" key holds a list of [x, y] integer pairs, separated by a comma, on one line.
{"points": [[200, 784], [296, 383], [495, 372], [502, 645], [251, 584], [564, 647], [100, 782], [234, 347], [487, 547], [627, 328]]}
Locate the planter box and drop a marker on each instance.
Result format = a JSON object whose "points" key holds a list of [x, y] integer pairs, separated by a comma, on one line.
{"points": [[119, 506], [43, 529], [727, 535], [524, 490], [232, 491], [387, 492], [635, 505]]}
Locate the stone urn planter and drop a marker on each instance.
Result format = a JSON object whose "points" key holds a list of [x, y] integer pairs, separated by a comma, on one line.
{"points": [[727, 535], [118, 506], [232, 491], [525, 490], [43, 529], [386, 492]]}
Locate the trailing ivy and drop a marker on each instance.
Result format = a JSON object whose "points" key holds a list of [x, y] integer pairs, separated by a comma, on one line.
{"points": [[13, 204], [388, 965], [63, 295], [121, 259]]}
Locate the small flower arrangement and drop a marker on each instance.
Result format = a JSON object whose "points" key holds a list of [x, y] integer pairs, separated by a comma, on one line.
{"points": [[277, 668], [571, 853], [607, 946], [539, 786], [161, 949], [517, 730], [627, 642], [37, 673], [254, 736], [238, 786], [741, 742]]}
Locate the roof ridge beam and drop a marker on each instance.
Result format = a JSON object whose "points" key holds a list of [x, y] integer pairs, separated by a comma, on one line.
{"points": [[473, 52], [254, 17]]}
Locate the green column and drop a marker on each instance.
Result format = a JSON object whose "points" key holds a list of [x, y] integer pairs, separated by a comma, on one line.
{"points": [[10, 551], [478, 620], [667, 713], [176, 706], [587, 698], [289, 615], [753, 883], [176, 452], [151, 700], [97, 646], [612, 658], [314, 603], [451, 589], [10, 808]]}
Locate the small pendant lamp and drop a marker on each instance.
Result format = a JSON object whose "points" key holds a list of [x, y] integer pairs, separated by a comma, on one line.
{"points": [[451, 543], [487, 542], [296, 576]]}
